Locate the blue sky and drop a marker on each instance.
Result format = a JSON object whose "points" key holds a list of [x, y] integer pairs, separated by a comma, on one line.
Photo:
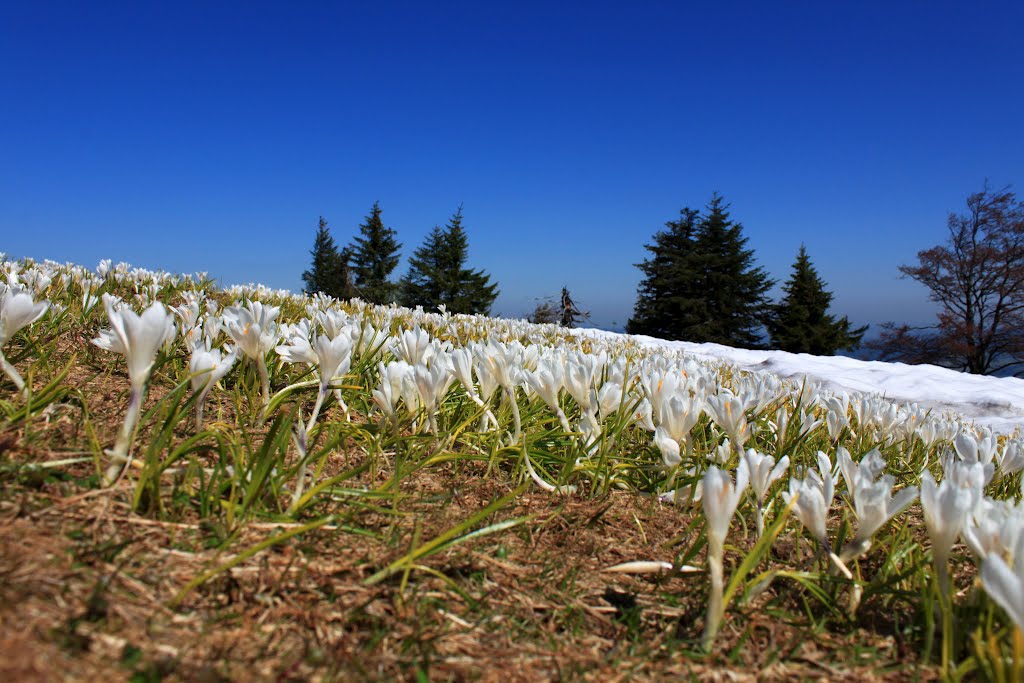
{"points": [[210, 136]]}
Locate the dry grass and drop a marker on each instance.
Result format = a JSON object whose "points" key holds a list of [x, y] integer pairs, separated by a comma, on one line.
{"points": [[86, 586]]}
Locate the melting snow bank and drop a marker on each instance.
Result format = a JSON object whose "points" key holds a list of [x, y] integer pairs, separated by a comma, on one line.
{"points": [[995, 402]]}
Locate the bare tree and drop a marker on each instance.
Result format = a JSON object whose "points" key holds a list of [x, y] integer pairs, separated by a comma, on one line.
{"points": [[977, 278], [544, 314], [570, 313]]}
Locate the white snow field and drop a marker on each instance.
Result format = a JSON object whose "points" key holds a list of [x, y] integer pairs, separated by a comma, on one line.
{"points": [[993, 402]]}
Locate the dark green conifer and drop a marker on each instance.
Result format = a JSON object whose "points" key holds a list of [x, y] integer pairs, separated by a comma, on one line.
{"points": [[437, 274], [374, 257], [800, 323], [422, 285], [734, 289], [327, 271], [668, 298], [700, 282]]}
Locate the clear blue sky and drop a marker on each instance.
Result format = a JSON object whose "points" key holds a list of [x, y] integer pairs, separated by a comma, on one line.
{"points": [[212, 135]]}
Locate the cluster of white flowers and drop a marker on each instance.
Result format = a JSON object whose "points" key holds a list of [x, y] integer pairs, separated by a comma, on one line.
{"points": [[594, 389]]}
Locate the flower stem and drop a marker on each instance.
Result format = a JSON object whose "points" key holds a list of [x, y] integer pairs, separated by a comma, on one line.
{"points": [[261, 366], [300, 478], [517, 420], [200, 401], [716, 609], [563, 420], [344, 406], [550, 488], [119, 454], [320, 396], [12, 372]]}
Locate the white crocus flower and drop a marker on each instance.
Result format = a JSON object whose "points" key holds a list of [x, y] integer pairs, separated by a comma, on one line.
{"points": [[485, 371], [643, 415], [660, 385], [369, 342], [498, 364], [138, 338], [413, 346], [17, 310], [781, 424], [763, 472], [867, 470], [974, 476], [254, 330], [971, 449], [580, 372], [945, 507], [609, 398], [928, 431], [875, 505], [547, 382], [89, 298], [811, 508], [722, 453], [504, 364], [432, 384], [728, 412], [462, 366], [396, 384], [1005, 583], [873, 502], [331, 356], [386, 399], [675, 417], [814, 494], [188, 312], [837, 414], [813, 497], [207, 367], [720, 499], [589, 432], [808, 423], [1011, 458], [687, 494], [333, 320], [993, 526], [212, 325]]}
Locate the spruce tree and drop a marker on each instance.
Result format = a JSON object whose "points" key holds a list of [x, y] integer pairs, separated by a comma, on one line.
{"points": [[326, 273], [374, 257], [437, 274], [422, 285], [800, 323], [700, 282], [734, 289], [668, 298]]}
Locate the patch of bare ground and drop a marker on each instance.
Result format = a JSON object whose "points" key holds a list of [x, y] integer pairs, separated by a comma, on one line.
{"points": [[86, 588], [89, 588]]}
